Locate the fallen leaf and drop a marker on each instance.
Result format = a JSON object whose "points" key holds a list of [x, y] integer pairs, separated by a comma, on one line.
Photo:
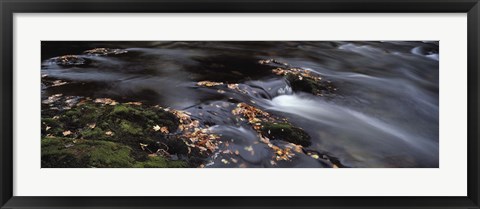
{"points": [[143, 146], [59, 83], [164, 130], [134, 103], [66, 133], [156, 128], [209, 83], [106, 101]]}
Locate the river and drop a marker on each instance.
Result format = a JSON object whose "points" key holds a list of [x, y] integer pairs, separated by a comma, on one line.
{"points": [[384, 112]]}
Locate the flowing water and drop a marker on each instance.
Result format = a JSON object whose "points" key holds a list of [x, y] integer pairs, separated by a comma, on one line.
{"points": [[383, 114]]}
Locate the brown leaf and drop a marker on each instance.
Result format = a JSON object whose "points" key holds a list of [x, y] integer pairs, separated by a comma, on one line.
{"points": [[164, 130]]}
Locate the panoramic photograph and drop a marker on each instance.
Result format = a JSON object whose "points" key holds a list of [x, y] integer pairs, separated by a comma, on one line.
{"points": [[239, 104]]}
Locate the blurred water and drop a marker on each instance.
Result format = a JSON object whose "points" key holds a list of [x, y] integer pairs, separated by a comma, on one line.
{"points": [[384, 113]]}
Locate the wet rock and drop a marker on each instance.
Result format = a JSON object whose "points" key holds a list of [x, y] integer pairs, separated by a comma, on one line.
{"points": [[286, 132], [105, 51], [325, 158], [69, 60], [310, 85], [301, 79]]}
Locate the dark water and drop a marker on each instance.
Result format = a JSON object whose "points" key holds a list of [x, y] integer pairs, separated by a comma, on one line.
{"points": [[383, 114]]}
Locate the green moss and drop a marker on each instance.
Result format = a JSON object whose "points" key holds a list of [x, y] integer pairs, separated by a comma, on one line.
{"points": [[130, 128], [52, 125], [96, 133], [123, 110], [160, 162], [81, 115], [54, 155], [108, 154], [286, 132], [70, 153], [126, 121], [65, 152]]}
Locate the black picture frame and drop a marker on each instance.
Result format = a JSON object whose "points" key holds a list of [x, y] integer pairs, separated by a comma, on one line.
{"points": [[9, 7]]}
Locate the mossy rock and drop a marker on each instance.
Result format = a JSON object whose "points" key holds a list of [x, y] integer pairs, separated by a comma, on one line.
{"points": [[309, 85], [70, 153], [286, 132], [81, 153], [124, 123], [127, 125]]}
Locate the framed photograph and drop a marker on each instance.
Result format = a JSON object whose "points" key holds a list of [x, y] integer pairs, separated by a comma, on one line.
{"points": [[239, 104]]}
